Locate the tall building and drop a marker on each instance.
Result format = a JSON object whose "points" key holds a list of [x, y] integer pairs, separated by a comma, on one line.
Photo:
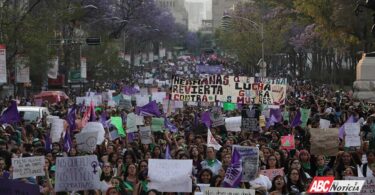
{"points": [[177, 8], [198, 10], [219, 7]]}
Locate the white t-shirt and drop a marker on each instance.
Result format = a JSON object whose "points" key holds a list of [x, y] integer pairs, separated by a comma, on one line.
{"points": [[368, 171]]}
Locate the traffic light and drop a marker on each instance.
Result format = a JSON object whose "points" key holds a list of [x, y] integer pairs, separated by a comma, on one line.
{"points": [[93, 41]]}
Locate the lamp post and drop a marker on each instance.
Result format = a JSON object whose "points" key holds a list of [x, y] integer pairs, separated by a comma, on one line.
{"points": [[260, 29]]}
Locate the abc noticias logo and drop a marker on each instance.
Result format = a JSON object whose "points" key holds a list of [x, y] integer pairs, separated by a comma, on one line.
{"points": [[328, 184]]}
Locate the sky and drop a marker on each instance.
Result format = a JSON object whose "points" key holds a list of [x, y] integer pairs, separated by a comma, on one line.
{"points": [[198, 10]]}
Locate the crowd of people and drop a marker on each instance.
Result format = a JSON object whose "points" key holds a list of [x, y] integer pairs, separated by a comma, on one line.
{"points": [[124, 161]]}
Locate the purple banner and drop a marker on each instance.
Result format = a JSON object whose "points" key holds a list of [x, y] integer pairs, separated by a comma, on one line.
{"points": [[203, 69]]}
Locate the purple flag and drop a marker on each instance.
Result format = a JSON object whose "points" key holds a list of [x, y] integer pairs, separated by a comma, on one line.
{"points": [[271, 121], [351, 119], [168, 125], [297, 120], [11, 114], [206, 119], [168, 153], [67, 142], [131, 136], [103, 119], [150, 109], [233, 174], [277, 114], [48, 144], [71, 118], [127, 90]]}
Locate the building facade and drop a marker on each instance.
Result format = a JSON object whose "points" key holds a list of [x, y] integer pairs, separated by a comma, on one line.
{"points": [[177, 8], [220, 7]]}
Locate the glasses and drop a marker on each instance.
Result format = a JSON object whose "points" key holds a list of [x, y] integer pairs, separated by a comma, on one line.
{"points": [[272, 159]]}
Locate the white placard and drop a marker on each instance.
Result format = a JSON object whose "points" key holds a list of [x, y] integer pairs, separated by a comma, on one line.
{"points": [[324, 124], [131, 123], [368, 186], [142, 100], [57, 127], [113, 135], [3, 65], [86, 142], [28, 167], [233, 123], [77, 173], [95, 127], [139, 120], [145, 135], [158, 96], [352, 128], [229, 191], [352, 140], [170, 175]]}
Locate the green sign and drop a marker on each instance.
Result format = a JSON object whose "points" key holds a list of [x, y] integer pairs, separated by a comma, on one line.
{"points": [[75, 76]]}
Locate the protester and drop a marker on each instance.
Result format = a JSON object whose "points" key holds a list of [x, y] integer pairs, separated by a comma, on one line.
{"points": [[125, 153]]}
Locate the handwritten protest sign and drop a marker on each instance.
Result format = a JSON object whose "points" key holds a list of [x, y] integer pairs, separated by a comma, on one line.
{"points": [[145, 134], [272, 173], [234, 89], [157, 124], [86, 141], [287, 142], [28, 167], [324, 141], [170, 175], [131, 123], [15, 187], [249, 161], [228, 191], [352, 140], [233, 124], [368, 187], [352, 128], [77, 173], [57, 127]]}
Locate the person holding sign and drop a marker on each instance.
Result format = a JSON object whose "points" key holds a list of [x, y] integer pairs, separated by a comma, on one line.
{"points": [[260, 183]]}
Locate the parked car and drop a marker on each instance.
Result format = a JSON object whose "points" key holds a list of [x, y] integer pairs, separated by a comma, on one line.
{"points": [[32, 113]]}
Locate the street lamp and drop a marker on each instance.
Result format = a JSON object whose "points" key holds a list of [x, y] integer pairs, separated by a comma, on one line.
{"points": [[260, 29]]}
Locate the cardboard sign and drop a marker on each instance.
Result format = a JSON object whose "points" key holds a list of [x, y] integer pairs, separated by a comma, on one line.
{"points": [[28, 167], [324, 141], [77, 173], [287, 142], [170, 175]]}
